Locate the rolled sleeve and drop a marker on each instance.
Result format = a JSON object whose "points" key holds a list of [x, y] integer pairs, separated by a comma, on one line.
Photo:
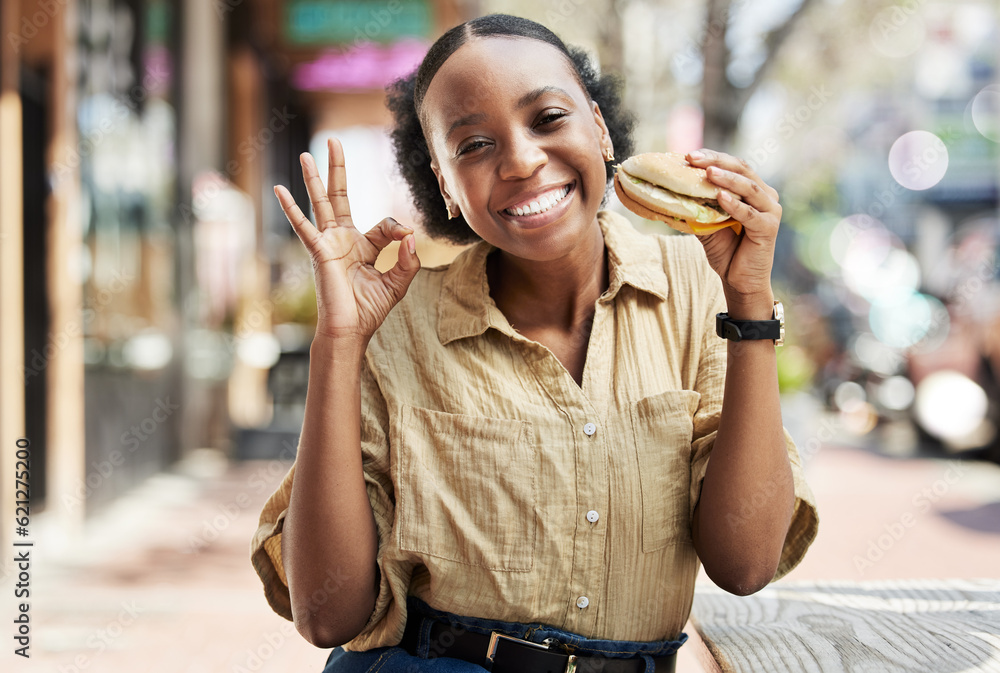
{"points": [[265, 547], [710, 383], [805, 518]]}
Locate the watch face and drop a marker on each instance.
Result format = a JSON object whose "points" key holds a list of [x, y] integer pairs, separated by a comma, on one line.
{"points": [[779, 315]]}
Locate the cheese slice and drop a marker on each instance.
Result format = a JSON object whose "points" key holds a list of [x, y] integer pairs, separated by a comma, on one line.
{"points": [[672, 203]]}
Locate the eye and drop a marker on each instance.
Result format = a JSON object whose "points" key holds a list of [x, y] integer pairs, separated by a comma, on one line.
{"points": [[470, 147], [551, 116]]}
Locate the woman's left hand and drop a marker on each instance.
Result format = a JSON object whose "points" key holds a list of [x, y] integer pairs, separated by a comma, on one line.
{"points": [[743, 261]]}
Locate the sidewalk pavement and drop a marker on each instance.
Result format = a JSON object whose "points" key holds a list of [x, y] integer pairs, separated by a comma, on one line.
{"points": [[161, 583], [161, 580]]}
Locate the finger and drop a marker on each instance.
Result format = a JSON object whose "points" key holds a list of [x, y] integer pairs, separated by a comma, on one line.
{"points": [[720, 243], [337, 183], [304, 229], [726, 235], [317, 192], [398, 278], [704, 158], [744, 187], [753, 220], [385, 232]]}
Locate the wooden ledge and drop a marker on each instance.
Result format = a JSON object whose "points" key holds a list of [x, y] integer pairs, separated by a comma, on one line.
{"points": [[900, 625]]}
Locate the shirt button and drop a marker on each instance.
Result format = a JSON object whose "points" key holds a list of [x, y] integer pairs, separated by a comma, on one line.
{"points": [[593, 516], [582, 602], [589, 429]]}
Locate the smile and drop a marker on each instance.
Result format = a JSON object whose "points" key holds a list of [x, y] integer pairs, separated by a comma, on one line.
{"points": [[539, 204]]}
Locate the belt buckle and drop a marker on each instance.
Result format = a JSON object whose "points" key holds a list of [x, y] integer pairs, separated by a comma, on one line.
{"points": [[495, 639]]}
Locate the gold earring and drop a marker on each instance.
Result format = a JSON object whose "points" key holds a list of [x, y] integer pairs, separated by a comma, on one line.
{"points": [[609, 154], [450, 215]]}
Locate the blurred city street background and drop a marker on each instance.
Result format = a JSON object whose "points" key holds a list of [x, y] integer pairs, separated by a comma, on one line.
{"points": [[156, 309]]}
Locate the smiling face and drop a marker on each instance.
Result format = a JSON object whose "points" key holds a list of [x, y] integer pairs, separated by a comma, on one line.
{"points": [[517, 145]]}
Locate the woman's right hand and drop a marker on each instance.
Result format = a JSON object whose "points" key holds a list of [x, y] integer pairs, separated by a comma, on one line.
{"points": [[352, 297]]}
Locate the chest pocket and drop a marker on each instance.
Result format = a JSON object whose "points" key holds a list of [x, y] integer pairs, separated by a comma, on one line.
{"points": [[663, 427], [465, 488]]}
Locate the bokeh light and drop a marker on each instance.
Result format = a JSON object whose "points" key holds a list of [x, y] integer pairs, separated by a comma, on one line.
{"points": [[875, 243], [897, 270], [148, 351], [986, 112], [950, 406], [875, 355], [941, 72], [918, 160], [858, 417], [901, 318], [939, 328], [260, 350], [848, 393], [896, 393]]}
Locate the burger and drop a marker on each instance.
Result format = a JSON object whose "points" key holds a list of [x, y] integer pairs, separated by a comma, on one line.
{"points": [[664, 186]]}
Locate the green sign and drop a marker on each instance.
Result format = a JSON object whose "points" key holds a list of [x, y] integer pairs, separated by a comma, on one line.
{"points": [[325, 22]]}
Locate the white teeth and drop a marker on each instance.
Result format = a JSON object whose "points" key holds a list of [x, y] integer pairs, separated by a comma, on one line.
{"points": [[543, 203]]}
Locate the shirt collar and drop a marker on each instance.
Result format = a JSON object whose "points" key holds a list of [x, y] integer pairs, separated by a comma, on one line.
{"points": [[466, 308]]}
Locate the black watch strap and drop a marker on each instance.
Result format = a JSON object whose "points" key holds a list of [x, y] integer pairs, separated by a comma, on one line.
{"points": [[746, 330]]}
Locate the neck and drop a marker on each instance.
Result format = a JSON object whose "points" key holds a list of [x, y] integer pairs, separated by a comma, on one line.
{"points": [[552, 294]]}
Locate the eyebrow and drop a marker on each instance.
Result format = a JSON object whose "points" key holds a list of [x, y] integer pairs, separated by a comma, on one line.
{"points": [[530, 97], [467, 120], [523, 102]]}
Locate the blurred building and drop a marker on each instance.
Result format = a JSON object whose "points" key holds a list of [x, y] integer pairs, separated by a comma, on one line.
{"points": [[893, 232], [153, 299]]}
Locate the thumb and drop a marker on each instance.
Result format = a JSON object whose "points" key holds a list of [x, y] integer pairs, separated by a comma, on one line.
{"points": [[398, 278], [385, 232]]}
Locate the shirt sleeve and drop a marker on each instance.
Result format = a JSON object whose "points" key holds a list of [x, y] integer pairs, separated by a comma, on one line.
{"points": [[710, 383], [265, 547]]}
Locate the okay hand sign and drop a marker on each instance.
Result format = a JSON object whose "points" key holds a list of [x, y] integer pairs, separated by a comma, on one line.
{"points": [[352, 297]]}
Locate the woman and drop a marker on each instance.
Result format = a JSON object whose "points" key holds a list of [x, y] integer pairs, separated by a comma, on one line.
{"points": [[522, 444]]}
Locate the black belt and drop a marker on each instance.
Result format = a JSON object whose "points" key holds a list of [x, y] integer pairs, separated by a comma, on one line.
{"points": [[504, 654]]}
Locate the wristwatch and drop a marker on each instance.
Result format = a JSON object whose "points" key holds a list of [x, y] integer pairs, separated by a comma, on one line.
{"points": [[746, 330]]}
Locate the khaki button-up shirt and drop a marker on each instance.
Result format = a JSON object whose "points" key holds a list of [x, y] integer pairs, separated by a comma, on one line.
{"points": [[502, 489]]}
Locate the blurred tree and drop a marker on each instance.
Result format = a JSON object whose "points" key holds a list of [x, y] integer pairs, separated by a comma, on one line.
{"points": [[610, 49], [723, 100], [595, 25], [717, 54]]}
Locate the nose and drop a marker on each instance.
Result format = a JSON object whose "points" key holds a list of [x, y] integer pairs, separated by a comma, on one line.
{"points": [[521, 158]]}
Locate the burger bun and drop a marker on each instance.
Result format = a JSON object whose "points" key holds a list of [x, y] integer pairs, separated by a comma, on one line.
{"points": [[684, 226]]}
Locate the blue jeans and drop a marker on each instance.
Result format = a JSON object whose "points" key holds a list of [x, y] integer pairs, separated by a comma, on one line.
{"points": [[397, 660]]}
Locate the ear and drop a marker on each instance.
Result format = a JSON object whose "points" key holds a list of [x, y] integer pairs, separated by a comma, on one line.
{"points": [[449, 202], [605, 138]]}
